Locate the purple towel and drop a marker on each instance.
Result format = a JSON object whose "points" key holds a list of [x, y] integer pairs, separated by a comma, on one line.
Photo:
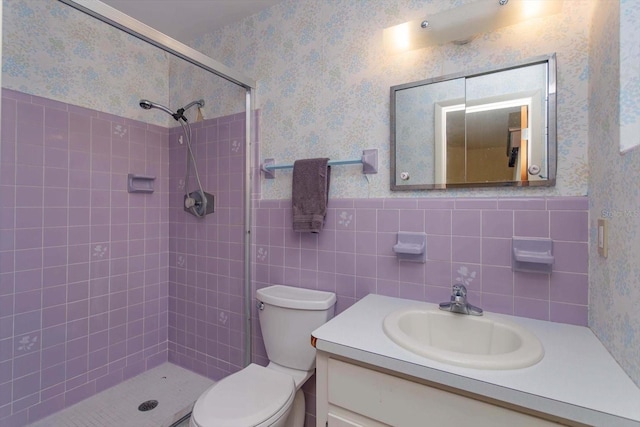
{"points": [[310, 194]]}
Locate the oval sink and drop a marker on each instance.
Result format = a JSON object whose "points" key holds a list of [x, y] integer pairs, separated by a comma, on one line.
{"points": [[471, 341]]}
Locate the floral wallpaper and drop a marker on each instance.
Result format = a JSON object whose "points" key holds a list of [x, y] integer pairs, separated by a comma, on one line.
{"points": [[323, 61], [629, 75], [324, 78], [55, 51], [614, 191], [188, 83], [52, 50]]}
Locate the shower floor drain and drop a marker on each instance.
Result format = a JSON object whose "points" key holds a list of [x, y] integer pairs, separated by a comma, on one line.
{"points": [[148, 405]]}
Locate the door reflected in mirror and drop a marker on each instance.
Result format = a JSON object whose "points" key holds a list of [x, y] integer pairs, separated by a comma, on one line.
{"points": [[495, 128]]}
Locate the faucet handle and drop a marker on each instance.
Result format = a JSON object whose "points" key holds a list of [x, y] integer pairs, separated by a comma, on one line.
{"points": [[459, 291], [458, 303]]}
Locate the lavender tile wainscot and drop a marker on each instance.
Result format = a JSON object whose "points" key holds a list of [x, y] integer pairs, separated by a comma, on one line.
{"points": [[468, 242]]}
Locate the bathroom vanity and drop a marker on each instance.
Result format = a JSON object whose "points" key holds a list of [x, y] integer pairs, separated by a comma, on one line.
{"points": [[363, 378]]}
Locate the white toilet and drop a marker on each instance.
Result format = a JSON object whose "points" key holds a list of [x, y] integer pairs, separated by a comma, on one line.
{"points": [[271, 397]]}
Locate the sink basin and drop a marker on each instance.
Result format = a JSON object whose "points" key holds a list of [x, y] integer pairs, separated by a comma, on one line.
{"points": [[485, 342]]}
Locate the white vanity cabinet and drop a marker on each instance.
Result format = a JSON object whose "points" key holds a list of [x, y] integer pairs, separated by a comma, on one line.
{"points": [[352, 395], [365, 379]]}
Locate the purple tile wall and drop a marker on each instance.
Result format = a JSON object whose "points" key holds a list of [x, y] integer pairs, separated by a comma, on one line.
{"points": [[206, 256], [468, 241], [83, 264]]}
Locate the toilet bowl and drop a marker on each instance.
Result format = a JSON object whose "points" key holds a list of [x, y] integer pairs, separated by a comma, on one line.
{"points": [[271, 396], [254, 396]]}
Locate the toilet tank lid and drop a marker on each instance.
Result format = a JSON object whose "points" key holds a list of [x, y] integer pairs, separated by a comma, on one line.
{"points": [[299, 298]]}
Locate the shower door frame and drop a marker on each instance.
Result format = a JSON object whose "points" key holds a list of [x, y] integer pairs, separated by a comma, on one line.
{"points": [[117, 19]]}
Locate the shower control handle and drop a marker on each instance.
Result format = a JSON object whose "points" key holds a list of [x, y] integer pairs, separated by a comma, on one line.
{"points": [[189, 202]]}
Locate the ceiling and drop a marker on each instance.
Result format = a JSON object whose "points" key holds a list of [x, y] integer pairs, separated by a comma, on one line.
{"points": [[185, 20]]}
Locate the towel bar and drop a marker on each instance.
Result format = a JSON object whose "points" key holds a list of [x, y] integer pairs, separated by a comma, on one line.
{"points": [[369, 162]]}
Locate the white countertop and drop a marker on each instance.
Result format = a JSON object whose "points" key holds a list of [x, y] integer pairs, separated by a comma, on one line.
{"points": [[577, 379]]}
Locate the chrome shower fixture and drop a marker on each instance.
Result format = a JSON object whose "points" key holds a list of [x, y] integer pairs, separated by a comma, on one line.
{"points": [[199, 103], [178, 115], [148, 105], [198, 203]]}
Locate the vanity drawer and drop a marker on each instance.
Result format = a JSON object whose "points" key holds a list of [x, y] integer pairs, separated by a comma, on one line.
{"points": [[399, 402], [338, 417]]}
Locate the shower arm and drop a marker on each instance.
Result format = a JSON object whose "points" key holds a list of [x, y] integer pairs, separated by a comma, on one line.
{"points": [[179, 114], [199, 103]]}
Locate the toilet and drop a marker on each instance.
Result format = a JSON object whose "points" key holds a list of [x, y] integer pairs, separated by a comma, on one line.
{"points": [[271, 396]]}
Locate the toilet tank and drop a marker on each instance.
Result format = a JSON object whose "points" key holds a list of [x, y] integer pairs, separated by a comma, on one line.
{"points": [[287, 316]]}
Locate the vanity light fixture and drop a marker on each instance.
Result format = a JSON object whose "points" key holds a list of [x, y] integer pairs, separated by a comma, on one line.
{"points": [[459, 25]]}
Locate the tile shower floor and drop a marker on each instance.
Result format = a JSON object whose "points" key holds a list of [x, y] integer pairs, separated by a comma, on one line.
{"points": [[175, 388]]}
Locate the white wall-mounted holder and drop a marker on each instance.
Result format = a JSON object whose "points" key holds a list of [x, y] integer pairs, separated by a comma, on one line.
{"points": [[532, 255], [369, 162], [411, 246], [140, 183]]}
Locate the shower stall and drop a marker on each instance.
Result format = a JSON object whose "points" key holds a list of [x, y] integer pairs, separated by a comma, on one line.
{"points": [[99, 284]]}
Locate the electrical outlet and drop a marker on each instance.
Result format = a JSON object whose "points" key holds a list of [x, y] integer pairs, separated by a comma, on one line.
{"points": [[602, 237]]}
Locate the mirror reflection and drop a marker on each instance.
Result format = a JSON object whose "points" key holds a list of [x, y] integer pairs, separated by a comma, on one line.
{"points": [[493, 128]]}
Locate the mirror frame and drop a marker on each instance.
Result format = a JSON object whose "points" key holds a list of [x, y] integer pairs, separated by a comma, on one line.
{"points": [[550, 117]]}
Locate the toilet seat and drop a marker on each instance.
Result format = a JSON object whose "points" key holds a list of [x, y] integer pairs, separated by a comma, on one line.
{"points": [[254, 396]]}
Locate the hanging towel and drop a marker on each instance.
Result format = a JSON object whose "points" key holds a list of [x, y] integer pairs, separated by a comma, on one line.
{"points": [[310, 194]]}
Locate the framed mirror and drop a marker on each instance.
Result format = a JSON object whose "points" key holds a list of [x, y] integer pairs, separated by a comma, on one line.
{"points": [[488, 128]]}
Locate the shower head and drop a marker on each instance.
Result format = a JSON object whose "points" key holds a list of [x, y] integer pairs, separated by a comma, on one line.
{"points": [[148, 105]]}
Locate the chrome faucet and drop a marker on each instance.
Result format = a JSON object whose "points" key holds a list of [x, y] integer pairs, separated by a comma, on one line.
{"points": [[459, 304]]}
